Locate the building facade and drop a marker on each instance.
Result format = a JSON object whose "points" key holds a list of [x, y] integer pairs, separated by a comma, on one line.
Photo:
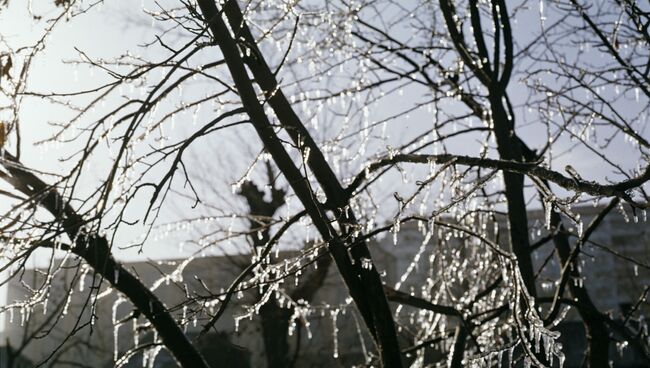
{"points": [[614, 266]]}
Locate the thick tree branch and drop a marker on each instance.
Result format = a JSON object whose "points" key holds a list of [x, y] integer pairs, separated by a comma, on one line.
{"points": [[364, 284], [96, 252], [534, 169]]}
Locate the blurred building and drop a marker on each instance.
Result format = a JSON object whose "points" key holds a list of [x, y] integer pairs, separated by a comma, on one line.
{"points": [[614, 269]]}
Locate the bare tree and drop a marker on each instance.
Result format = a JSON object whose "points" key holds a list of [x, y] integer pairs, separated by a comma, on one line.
{"points": [[452, 115]]}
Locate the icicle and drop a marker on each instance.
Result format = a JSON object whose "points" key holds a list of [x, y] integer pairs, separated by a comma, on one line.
{"points": [[580, 228], [154, 354], [116, 327], [82, 282], [547, 342], [620, 347], [560, 356], [335, 333], [623, 212], [45, 302], [136, 336], [184, 319], [510, 356], [237, 324], [350, 256], [450, 355], [548, 207]]}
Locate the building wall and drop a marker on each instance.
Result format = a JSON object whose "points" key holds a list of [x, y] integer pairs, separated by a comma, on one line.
{"points": [[612, 282]]}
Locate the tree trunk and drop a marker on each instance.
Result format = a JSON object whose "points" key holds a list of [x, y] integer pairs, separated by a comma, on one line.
{"points": [[275, 324], [96, 252], [595, 329], [364, 285], [509, 149]]}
